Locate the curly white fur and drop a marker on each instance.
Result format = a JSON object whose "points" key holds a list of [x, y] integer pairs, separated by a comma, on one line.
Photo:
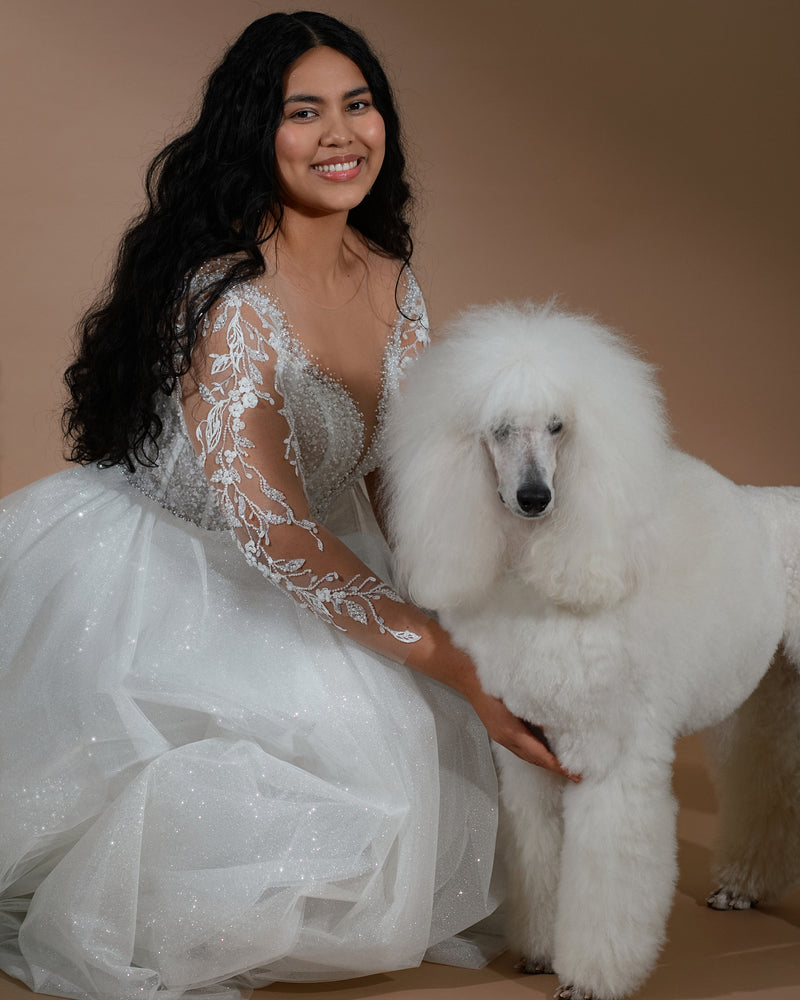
{"points": [[610, 589]]}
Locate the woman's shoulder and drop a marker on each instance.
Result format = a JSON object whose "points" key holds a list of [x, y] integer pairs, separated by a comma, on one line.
{"points": [[384, 268], [253, 293], [396, 286]]}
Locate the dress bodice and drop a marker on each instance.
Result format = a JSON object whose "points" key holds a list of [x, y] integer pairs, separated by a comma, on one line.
{"points": [[326, 439], [277, 439]]}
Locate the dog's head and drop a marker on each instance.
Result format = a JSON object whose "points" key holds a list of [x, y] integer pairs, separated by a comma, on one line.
{"points": [[529, 438]]}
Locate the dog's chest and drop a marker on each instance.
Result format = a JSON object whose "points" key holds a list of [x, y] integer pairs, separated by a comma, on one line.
{"points": [[555, 668]]}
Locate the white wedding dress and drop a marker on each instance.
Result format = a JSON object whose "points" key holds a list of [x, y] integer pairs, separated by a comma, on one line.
{"points": [[205, 783]]}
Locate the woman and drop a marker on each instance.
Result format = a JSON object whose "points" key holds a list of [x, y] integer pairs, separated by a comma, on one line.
{"points": [[204, 784]]}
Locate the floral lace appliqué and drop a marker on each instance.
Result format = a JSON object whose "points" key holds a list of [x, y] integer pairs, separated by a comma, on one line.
{"points": [[222, 434]]}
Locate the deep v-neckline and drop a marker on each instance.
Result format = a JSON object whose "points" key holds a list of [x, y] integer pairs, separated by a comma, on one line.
{"points": [[313, 365]]}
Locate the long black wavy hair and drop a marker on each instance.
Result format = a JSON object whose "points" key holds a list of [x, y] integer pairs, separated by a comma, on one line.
{"points": [[209, 194]]}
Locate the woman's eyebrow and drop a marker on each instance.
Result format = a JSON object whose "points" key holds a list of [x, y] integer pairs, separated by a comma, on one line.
{"points": [[356, 92], [312, 99]]}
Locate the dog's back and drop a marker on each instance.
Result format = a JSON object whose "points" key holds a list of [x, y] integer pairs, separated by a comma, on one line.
{"points": [[779, 506]]}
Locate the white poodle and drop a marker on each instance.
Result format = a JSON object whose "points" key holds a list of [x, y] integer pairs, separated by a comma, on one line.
{"points": [[615, 592]]}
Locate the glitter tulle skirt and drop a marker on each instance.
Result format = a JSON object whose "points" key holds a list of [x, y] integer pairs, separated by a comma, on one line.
{"points": [[203, 787]]}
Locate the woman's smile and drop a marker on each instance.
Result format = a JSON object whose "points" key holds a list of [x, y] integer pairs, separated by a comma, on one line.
{"points": [[339, 168]]}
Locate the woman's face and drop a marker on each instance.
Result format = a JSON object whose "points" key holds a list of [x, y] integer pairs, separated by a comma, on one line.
{"points": [[329, 147]]}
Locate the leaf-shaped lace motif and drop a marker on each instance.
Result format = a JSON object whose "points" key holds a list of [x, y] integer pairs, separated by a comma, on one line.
{"points": [[221, 434]]}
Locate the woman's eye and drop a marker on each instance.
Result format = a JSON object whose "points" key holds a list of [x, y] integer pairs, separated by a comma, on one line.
{"points": [[359, 106], [303, 114]]}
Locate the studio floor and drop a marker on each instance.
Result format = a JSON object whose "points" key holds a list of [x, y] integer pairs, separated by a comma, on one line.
{"points": [[709, 956]]}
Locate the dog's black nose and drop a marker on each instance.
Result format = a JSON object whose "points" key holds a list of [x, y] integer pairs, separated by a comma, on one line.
{"points": [[533, 499]]}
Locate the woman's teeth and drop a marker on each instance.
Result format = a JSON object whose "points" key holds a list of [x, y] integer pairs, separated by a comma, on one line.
{"points": [[328, 168]]}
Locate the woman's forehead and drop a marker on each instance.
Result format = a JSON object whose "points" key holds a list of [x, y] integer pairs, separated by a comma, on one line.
{"points": [[322, 72]]}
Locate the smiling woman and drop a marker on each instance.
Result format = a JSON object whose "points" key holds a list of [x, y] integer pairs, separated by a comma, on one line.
{"points": [[329, 147], [253, 775]]}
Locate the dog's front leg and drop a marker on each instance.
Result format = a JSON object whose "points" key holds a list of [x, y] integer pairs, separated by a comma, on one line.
{"points": [[618, 870], [531, 831]]}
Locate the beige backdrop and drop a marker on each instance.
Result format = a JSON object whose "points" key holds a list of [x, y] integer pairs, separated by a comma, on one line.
{"points": [[637, 157]]}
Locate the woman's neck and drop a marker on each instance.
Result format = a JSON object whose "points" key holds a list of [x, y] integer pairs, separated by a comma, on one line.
{"points": [[319, 255]]}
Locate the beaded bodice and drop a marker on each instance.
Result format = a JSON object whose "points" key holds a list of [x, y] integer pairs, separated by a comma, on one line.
{"points": [[280, 439], [326, 441]]}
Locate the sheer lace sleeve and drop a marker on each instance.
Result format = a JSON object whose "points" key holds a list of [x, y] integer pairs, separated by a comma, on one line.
{"points": [[234, 409], [412, 336]]}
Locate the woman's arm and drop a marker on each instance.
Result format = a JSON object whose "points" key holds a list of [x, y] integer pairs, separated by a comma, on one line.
{"points": [[233, 411]]}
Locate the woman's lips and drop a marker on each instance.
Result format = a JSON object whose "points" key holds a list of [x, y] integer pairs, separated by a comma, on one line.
{"points": [[340, 169]]}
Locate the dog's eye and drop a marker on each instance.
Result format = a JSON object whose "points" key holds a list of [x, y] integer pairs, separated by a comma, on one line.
{"points": [[501, 433], [555, 425]]}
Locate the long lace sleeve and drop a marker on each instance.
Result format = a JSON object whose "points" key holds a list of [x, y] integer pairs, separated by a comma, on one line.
{"points": [[235, 410]]}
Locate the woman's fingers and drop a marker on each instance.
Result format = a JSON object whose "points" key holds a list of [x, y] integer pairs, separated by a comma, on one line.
{"points": [[535, 749], [524, 739]]}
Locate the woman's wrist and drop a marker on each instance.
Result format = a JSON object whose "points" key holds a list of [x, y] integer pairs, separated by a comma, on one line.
{"points": [[435, 655]]}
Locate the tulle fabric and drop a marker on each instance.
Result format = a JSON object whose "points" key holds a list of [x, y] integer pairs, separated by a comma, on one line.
{"points": [[203, 786]]}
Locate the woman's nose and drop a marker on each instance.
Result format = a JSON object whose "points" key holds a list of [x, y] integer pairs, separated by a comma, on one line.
{"points": [[337, 133]]}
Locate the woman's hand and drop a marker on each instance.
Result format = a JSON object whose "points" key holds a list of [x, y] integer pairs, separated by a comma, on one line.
{"points": [[437, 656], [514, 734]]}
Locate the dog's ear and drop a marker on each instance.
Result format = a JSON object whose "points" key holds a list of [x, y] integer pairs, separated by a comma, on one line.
{"points": [[441, 510]]}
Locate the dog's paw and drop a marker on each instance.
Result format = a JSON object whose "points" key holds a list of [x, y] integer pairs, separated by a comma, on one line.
{"points": [[534, 967], [727, 899], [572, 993]]}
